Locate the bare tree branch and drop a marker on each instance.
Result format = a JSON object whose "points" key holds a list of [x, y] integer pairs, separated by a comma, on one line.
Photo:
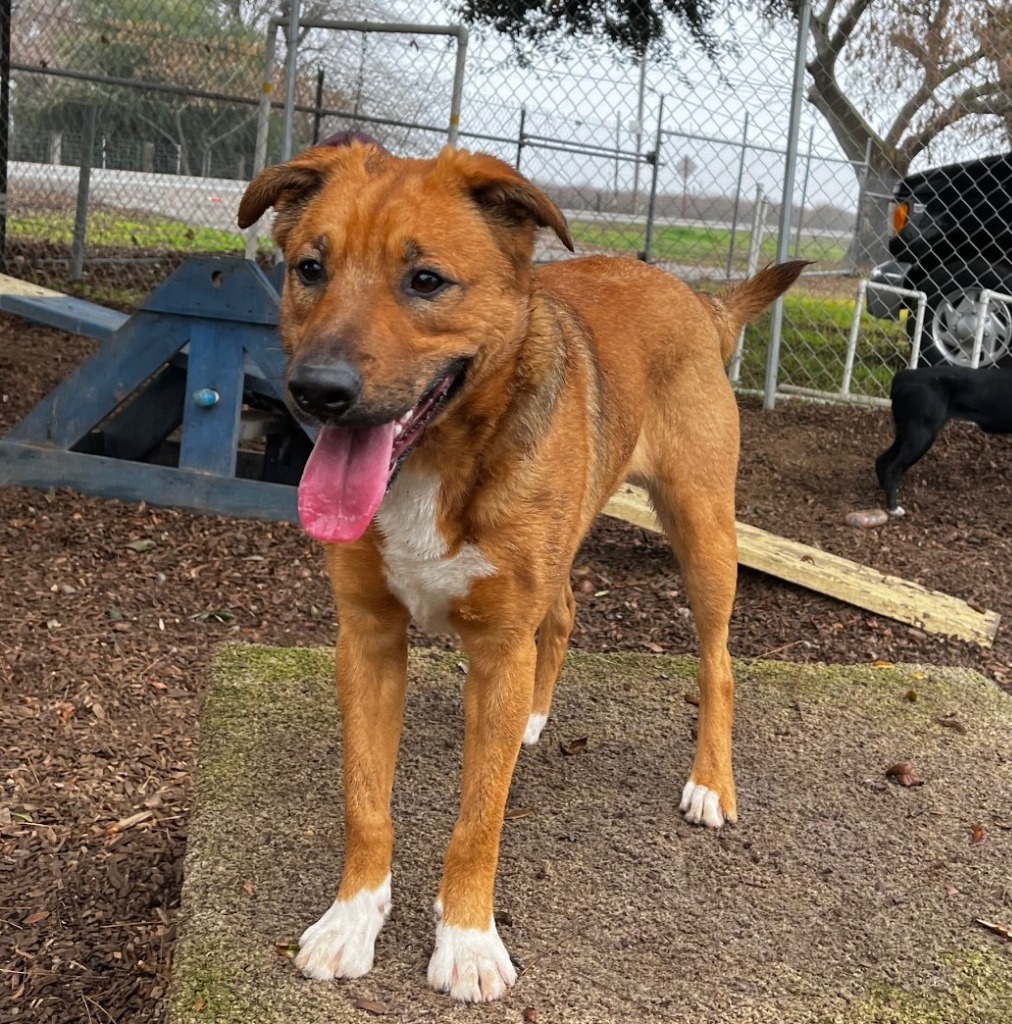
{"points": [[977, 100], [925, 93]]}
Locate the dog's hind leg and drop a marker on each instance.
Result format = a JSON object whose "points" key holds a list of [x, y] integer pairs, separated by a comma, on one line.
{"points": [[700, 526], [553, 639], [688, 463], [916, 431]]}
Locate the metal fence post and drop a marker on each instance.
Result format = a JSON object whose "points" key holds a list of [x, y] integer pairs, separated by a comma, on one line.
{"points": [[291, 67], [755, 242], [83, 189], [639, 132], [737, 196], [648, 241], [804, 192], [520, 137], [787, 199], [319, 104], [457, 92], [5, 98]]}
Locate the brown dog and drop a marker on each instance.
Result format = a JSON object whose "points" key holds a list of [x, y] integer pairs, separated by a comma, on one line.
{"points": [[475, 414]]}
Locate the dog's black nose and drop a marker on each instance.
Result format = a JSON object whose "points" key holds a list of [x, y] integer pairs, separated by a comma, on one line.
{"points": [[325, 390]]}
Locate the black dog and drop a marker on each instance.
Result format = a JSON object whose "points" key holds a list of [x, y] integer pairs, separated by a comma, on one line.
{"points": [[924, 400]]}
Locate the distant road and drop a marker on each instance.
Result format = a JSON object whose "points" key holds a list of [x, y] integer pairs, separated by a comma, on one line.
{"points": [[214, 202], [199, 202]]}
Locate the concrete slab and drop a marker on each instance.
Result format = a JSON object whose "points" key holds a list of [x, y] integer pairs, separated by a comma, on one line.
{"points": [[839, 897]]}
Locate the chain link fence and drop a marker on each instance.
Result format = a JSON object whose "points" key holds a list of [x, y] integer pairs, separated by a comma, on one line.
{"points": [[135, 124]]}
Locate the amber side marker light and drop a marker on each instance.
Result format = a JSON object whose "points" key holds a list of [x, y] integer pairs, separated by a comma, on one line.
{"points": [[900, 213]]}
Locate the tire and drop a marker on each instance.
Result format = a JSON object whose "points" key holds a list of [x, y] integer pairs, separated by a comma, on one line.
{"points": [[950, 320]]}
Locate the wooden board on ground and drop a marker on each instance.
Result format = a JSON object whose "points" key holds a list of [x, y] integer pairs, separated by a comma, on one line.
{"points": [[15, 286], [834, 576]]}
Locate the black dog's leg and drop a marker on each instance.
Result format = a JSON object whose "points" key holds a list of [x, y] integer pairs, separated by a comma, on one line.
{"points": [[917, 426]]}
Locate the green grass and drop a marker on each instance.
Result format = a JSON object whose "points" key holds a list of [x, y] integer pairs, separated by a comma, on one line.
{"points": [[813, 347], [121, 231], [698, 245]]}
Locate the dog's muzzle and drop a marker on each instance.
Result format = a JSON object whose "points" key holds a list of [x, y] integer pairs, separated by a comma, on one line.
{"points": [[325, 391]]}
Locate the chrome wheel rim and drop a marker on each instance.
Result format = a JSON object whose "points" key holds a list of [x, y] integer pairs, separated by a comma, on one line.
{"points": [[954, 321]]}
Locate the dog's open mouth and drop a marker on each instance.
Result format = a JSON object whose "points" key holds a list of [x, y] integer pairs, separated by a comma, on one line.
{"points": [[351, 468]]}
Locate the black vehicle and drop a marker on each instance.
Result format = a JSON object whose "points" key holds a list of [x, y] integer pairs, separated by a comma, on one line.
{"points": [[952, 237]]}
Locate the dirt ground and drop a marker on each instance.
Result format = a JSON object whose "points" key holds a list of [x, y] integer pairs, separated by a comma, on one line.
{"points": [[110, 613]]}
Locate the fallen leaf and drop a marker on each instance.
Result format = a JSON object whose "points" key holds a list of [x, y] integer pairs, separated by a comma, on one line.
{"points": [[371, 1006], [978, 837], [199, 1003], [513, 813], [691, 698], [910, 695], [576, 746], [952, 723], [39, 915], [655, 648], [287, 949], [124, 823], [212, 616], [141, 545], [530, 1015], [998, 929], [882, 664], [905, 774]]}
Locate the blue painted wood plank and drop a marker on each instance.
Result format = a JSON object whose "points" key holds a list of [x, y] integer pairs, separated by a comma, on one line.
{"points": [[210, 432], [147, 419], [25, 465], [102, 382], [266, 363], [75, 316], [217, 288]]}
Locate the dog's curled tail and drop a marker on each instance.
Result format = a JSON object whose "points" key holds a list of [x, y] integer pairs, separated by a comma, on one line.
{"points": [[743, 301]]}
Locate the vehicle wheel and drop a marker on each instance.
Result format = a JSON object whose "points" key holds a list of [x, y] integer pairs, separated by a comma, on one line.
{"points": [[950, 320]]}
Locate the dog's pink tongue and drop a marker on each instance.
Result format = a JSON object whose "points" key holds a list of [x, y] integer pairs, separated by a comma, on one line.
{"points": [[344, 481]]}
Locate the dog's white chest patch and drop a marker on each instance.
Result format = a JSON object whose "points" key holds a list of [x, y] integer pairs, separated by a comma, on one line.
{"points": [[414, 558]]}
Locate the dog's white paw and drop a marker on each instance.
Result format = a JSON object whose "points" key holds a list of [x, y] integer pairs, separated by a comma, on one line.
{"points": [[701, 806], [471, 964], [535, 726], [342, 943]]}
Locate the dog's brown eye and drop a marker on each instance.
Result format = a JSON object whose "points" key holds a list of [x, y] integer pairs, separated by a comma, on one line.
{"points": [[309, 271], [426, 282]]}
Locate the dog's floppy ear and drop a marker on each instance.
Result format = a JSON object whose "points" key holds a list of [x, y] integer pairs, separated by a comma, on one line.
{"points": [[288, 187], [506, 195]]}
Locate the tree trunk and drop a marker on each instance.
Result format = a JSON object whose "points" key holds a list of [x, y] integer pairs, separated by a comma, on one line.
{"points": [[873, 229]]}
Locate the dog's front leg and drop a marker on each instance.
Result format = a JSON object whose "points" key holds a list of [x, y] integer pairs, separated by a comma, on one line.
{"points": [[470, 961], [371, 683]]}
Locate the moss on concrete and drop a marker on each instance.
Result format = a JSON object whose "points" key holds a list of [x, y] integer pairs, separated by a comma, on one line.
{"points": [[204, 992], [621, 911], [980, 993]]}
